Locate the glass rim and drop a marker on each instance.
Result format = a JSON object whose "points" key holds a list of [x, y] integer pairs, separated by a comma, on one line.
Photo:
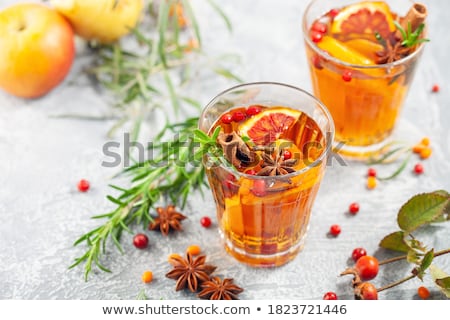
{"points": [[329, 136], [335, 60]]}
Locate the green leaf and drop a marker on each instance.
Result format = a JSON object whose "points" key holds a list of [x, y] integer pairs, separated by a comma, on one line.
{"points": [[441, 279], [222, 14], [227, 74], [421, 209], [427, 260], [395, 241]]}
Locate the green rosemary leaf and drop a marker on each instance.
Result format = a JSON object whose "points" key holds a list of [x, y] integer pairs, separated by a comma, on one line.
{"points": [[114, 200], [227, 74], [172, 93], [163, 18], [193, 20], [222, 14], [399, 169], [192, 102]]}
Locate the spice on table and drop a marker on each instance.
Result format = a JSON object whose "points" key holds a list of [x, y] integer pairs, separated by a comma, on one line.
{"points": [[168, 218], [435, 88], [140, 241], [190, 272], [330, 296], [418, 168], [83, 185], [147, 277], [216, 289], [335, 230], [205, 222], [423, 292]]}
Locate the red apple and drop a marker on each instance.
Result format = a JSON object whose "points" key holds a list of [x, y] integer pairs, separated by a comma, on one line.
{"points": [[36, 49]]}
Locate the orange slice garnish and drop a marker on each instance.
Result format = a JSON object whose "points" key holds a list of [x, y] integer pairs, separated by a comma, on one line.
{"points": [[269, 125], [343, 52], [367, 17], [366, 47]]}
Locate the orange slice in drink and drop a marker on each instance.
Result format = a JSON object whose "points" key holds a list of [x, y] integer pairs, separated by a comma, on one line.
{"points": [[368, 17], [366, 47], [343, 52], [269, 125]]}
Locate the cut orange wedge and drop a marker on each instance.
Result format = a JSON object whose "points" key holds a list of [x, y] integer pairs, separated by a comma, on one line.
{"points": [[268, 125], [343, 52], [368, 17], [366, 47]]}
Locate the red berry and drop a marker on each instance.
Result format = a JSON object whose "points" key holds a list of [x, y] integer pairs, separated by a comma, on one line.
{"points": [[238, 116], [371, 172], [353, 208], [259, 188], [319, 27], [347, 75], [83, 185], [366, 291], [251, 172], [253, 110], [330, 296], [358, 253], [316, 61], [335, 229], [205, 221], [140, 241], [423, 292], [435, 88], [418, 168], [333, 13], [287, 154], [367, 267], [316, 36], [227, 118]]}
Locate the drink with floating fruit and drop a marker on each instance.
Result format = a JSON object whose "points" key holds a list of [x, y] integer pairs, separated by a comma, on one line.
{"points": [[276, 139], [362, 57]]}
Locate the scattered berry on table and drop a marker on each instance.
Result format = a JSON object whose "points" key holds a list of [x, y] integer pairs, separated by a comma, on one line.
{"points": [[83, 185], [371, 182], [194, 250], [423, 292], [353, 208], [435, 88], [425, 153], [371, 172], [147, 277], [140, 241], [330, 296], [418, 168], [205, 221], [335, 230], [358, 253]]}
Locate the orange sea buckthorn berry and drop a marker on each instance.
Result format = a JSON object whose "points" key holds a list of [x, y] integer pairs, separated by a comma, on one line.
{"points": [[423, 292], [425, 153], [418, 148], [371, 182], [194, 249], [425, 141], [147, 277]]}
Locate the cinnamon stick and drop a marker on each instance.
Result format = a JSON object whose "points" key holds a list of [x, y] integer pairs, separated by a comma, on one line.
{"points": [[415, 16]]}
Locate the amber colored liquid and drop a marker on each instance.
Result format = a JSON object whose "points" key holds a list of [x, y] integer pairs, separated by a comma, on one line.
{"points": [[365, 110], [266, 227]]}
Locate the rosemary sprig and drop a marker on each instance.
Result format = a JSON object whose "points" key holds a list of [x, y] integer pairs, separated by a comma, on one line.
{"points": [[410, 38], [174, 173]]}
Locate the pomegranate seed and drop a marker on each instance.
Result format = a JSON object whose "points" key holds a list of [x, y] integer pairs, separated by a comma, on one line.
{"points": [[259, 188], [333, 13], [335, 230], [238, 116], [330, 296], [347, 75], [287, 154], [205, 221], [371, 172], [418, 168], [140, 241], [253, 110], [319, 27], [227, 118], [316, 36], [83, 185], [358, 253], [251, 172], [315, 60], [435, 88], [353, 208]]}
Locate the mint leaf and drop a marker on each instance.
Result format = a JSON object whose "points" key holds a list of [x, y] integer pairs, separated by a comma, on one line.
{"points": [[395, 241], [422, 209]]}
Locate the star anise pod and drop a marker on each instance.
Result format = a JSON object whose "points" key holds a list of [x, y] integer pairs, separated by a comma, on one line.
{"points": [[167, 218], [190, 272], [216, 289], [392, 53], [276, 166]]}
